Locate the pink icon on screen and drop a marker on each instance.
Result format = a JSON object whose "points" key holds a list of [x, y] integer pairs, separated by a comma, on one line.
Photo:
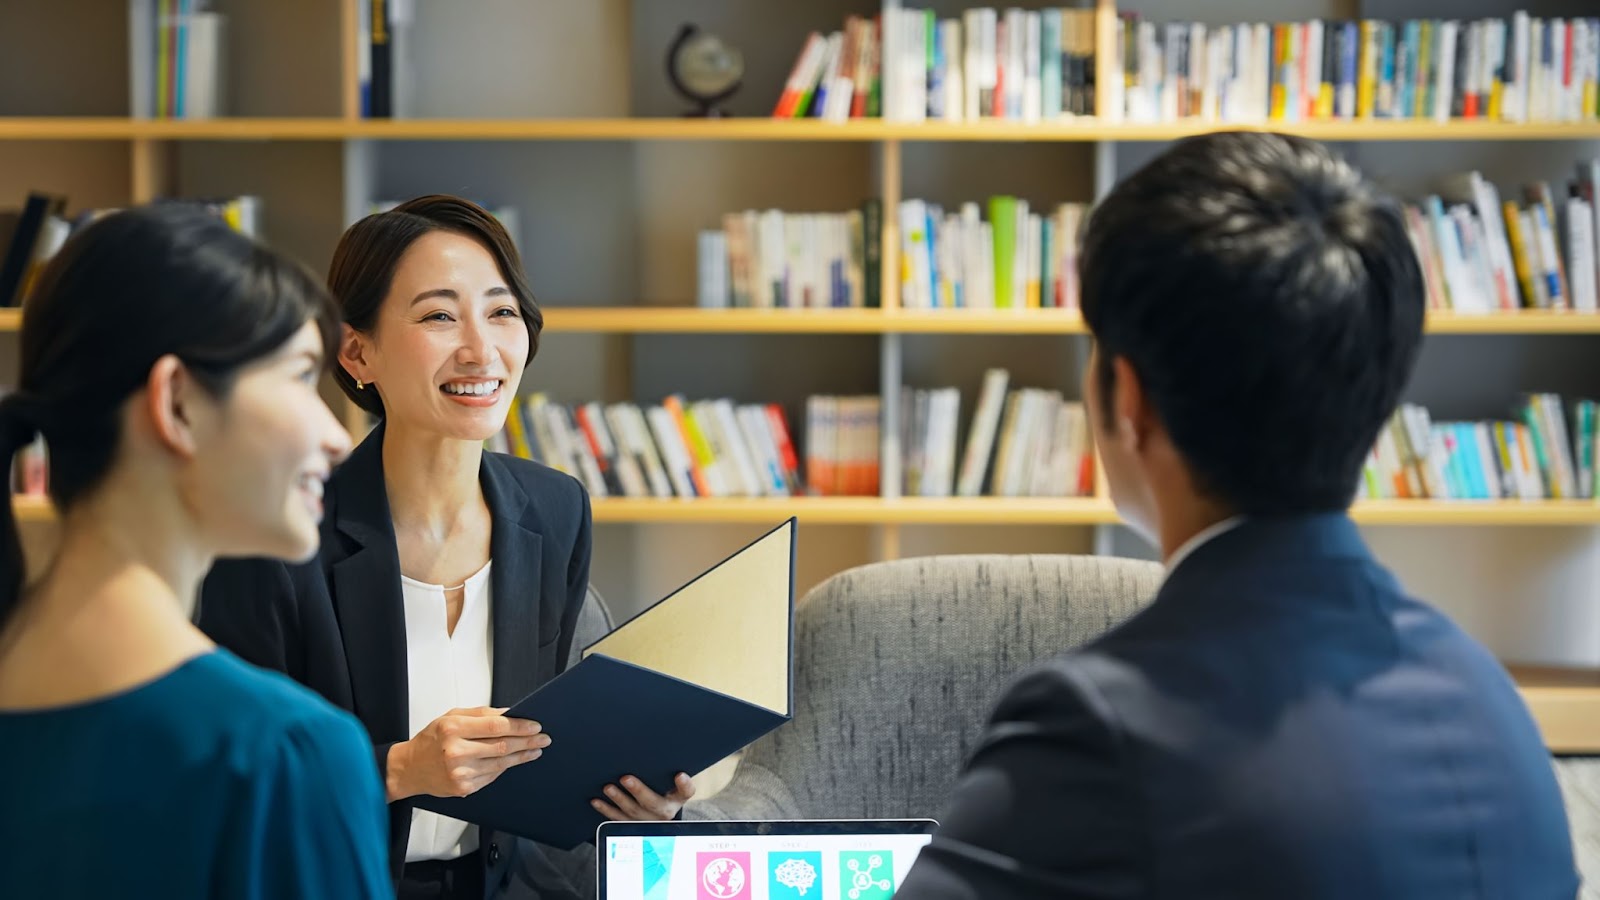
{"points": [[724, 876]]}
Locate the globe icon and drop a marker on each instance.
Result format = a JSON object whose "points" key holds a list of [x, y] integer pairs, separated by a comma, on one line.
{"points": [[703, 68], [723, 877], [708, 66]]}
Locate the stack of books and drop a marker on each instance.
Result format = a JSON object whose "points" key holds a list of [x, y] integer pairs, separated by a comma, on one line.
{"points": [[1538, 454], [1016, 258], [771, 259], [1518, 69]]}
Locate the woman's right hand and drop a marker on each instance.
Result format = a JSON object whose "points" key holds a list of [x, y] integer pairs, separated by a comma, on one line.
{"points": [[460, 752]]}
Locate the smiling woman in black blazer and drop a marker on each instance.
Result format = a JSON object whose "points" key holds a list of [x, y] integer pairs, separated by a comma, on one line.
{"points": [[450, 578]]}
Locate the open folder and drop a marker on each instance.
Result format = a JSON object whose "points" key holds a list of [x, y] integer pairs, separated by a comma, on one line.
{"points": [[688, 682]]}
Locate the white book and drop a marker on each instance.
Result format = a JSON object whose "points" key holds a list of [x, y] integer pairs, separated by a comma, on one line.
{"points": [[711, 287], [142, 58], [674, 452], [1016, 73], [733, 438], [1581, 254], [986, 264], [752, 422], [1444, 84], [205, 81], [1032, 87], [955, 93], [1514, 104], [627, 423], [970, 62]]}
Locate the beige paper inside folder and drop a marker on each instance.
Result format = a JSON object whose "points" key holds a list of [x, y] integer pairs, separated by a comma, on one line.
{"points": [[727, 631]]}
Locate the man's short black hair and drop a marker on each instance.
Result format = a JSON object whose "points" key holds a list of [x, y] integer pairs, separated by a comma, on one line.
{"points": [[1270, 302]]}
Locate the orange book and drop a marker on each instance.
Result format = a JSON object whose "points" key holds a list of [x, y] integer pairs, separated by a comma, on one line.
{"points": [[699, 453]]}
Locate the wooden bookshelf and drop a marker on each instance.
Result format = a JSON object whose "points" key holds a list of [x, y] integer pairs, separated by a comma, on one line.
{"points": [[333, 128], [317, 164], [1565, 703]]}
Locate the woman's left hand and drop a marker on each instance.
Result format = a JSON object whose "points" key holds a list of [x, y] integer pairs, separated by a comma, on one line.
{"points": [[640, 804]]}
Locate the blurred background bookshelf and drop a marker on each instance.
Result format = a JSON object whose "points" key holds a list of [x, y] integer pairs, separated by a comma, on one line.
{"points": [[562, 112]]}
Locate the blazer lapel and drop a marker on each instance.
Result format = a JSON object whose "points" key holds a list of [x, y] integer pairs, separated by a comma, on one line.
{"points": [[366, 594], [516, 554]]}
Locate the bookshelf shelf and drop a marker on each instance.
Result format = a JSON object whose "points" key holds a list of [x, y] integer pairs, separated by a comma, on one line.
{"points": [[1052, 511], [656, 319], [332, 128], [1528, 321], [1008, 511], [1566, 704], [693, 320], [861, 511], [1478, 512]]}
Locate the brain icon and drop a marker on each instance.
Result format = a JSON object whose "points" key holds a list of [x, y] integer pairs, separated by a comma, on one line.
{"points": [[797, 874]]}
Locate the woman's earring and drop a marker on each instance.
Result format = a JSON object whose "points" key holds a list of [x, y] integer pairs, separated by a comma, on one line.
{"points": [[360, 386]]}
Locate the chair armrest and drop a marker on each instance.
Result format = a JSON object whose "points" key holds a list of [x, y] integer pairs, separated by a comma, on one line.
{"points": [[754, 792]]}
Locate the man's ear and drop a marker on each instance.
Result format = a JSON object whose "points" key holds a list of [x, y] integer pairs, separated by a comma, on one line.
{"points": [[353, 348], [1130, 409], [170, 395]]}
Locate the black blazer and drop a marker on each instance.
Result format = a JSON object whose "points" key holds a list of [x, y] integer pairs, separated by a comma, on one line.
{"points": [[1282, 722], [337, 623]]}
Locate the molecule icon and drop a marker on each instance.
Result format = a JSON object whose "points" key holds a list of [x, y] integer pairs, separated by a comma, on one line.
{"points": [[861, 880], [797, 874]]}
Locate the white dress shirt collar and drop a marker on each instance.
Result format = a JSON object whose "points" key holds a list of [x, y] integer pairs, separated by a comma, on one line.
{"points": [[1187, 548]]}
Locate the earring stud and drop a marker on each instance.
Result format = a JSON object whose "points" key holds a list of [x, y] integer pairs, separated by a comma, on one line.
{"points": [[360, 385]]}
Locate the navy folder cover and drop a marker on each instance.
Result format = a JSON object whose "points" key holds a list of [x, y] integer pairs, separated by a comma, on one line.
{"points": [[607, 718]]}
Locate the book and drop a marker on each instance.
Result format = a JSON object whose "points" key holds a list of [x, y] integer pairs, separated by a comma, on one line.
{"points": [[690, 681]]}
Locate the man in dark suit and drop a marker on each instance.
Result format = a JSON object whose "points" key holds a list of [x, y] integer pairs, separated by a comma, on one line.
{"points": [[1282, 721]]}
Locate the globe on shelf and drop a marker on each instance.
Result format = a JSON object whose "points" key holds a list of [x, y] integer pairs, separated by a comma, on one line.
{"points": [[704, 69]]}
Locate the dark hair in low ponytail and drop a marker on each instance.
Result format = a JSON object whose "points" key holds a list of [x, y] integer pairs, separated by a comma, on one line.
{"points": [[130, 288]]}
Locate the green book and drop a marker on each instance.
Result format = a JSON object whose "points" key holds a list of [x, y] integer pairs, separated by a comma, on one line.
{"points": [[1003, 218]]}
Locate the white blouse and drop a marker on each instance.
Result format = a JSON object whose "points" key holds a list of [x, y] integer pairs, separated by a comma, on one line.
{"points": [[445, 671]]}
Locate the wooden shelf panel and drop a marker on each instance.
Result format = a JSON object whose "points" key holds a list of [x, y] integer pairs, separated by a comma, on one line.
{"points": [[692, 320], [860, 511], [333, 128], [666, 319], [1055, 511], [1565, 703], [1528, 321], [1012, 511], [685, 320], [1478, 512]]}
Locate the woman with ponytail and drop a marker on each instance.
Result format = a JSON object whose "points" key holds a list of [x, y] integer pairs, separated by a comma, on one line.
{"points": [[171, 366]]}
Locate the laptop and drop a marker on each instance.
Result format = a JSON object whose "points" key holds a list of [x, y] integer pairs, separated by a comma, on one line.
{"points": [[838, 859]]}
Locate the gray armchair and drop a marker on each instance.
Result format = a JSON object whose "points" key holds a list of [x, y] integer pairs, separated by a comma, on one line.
{"points": [[896, 667]]}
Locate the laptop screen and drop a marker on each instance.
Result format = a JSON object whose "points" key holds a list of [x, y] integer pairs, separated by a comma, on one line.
{"points": [[806, 860]]}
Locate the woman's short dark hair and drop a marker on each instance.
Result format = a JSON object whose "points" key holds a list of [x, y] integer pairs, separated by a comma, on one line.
{"points": [[369, 252], [128, 289]]}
